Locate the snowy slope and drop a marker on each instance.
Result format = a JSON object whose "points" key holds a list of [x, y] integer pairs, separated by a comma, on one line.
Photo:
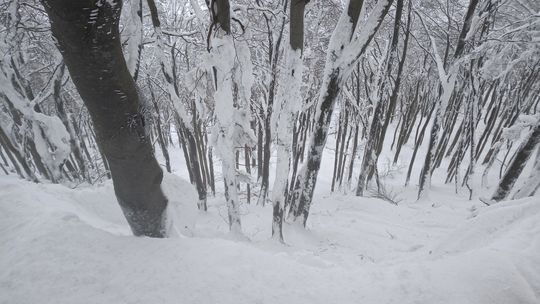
{"points": [[59, 245]]}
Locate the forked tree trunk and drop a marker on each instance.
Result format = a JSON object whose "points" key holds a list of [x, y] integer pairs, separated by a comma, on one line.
{"points": [[89, 40]]}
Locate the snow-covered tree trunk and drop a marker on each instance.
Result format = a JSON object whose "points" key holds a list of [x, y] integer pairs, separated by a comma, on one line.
{"points": [[231, 67], [134, 33], [88, 36], [290, 98], [348, 42]]}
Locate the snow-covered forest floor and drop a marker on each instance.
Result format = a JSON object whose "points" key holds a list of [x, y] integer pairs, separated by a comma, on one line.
{"points": [[62, 245]]}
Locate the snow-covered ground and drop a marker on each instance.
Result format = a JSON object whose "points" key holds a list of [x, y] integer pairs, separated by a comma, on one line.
{"points": [[62, 245]]}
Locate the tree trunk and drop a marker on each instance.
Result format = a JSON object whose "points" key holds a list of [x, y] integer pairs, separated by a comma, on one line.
{"points": [[447, 88], [89, 40], [335, 72], [377, 129], [285, 109], [231, 129]]}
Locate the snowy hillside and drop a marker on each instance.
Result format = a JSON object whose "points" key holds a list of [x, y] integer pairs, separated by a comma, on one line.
{"points": [[73, 246], [269, 151]]}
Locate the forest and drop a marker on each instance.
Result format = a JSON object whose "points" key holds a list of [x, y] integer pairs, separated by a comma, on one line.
{"points": [[298, 151]]}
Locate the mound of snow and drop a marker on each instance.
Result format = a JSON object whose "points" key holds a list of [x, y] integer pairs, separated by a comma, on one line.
{"points": [[182, 203]]}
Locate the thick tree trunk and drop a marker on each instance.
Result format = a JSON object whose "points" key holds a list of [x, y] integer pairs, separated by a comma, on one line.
{"points": [[88, 37]]}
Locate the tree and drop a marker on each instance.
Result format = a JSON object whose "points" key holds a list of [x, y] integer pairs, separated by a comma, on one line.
{"points": [[448, 82], [231, 67], [88, 37], [349, 41], [379, 122], [286, 109], [186, 121]]}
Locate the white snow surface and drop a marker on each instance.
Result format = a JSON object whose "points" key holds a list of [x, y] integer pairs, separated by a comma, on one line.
{"points": [[62, 245]]}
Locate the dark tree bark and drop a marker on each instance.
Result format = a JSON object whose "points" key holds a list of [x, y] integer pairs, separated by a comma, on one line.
{"points": [[88, 37], [248, 171]]}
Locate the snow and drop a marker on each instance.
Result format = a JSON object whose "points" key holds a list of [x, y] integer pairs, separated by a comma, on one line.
{"points": [[62, 245]]}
